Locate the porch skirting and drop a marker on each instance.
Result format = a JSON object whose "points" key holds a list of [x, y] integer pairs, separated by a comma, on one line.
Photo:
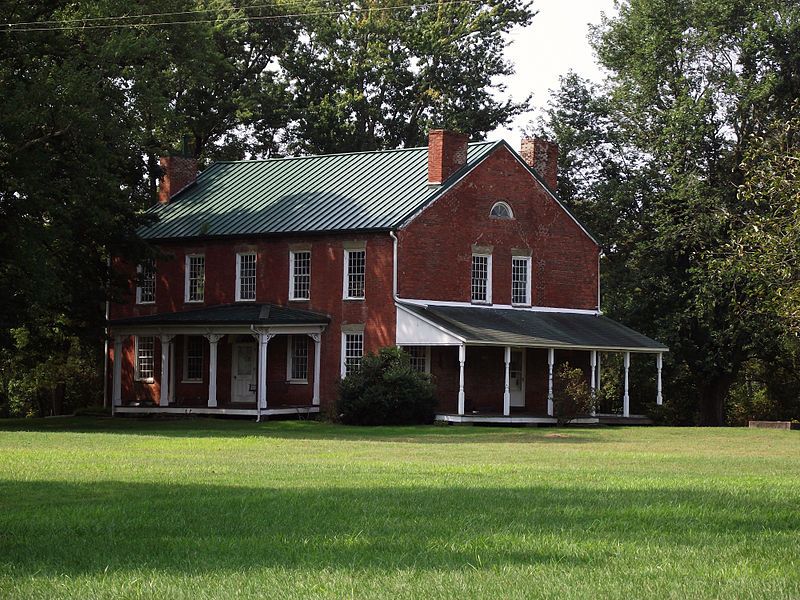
{"points": [[200, 410], [535, 420]]}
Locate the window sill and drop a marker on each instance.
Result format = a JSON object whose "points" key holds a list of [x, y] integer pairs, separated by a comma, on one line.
{"points": [[149, 380], [299, 299], [354, 298], [191, 381], [151, 303], [481, 302], [193, 301], [521, 304], [297, 381], [245, 300]]}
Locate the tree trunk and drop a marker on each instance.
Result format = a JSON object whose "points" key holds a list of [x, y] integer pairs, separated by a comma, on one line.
{"points": [[712, 400], [57, 397]]}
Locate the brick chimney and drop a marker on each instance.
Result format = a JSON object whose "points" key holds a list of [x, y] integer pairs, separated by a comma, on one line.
{"points": [[178, 172], [542, 156], [447, 153]]}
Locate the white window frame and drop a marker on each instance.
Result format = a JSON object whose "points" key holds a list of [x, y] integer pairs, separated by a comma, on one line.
{"points": [[427, 357], [345, 334], [488, 299], [185, 374], [346, 279], [528, 261], [239, 256], [507, 206], [136, 370], [292, 288], [139, 273], [290, 358], [186, 289]]}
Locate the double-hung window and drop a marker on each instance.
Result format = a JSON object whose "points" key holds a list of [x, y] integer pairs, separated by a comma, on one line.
{"points": [[481, 279], [297, 366], [299, 275], [355, 262], [193, 358], [145, 358], [420, 358], [146, 283], [195, 283], [352, 351], [521, 280], [245, 276]]}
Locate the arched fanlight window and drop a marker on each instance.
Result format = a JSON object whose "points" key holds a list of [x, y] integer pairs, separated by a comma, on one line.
{"points": [[501, 210]]}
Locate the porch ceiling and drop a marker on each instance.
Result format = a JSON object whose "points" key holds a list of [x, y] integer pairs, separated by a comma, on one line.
{"points": [[231, 314], [521, 327]]}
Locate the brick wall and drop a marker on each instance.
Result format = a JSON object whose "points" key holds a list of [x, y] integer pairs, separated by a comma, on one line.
{"points": [[435, 249]]}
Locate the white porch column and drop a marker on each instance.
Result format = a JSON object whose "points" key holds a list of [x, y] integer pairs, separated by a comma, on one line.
{"points": [[462, 358], [317, 337], [659, 363], [261, 395], [213, 340], [507, 391], [593, 368], [626, 400], [551, 359], [166, 343], [116, 386]]}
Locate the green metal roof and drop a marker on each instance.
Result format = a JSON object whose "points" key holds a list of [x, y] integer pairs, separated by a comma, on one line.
{"points": [[335, 192], [231, 314], [519, 327]]}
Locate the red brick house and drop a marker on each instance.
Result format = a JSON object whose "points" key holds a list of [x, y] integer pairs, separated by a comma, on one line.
{"points": [[275, 276]]}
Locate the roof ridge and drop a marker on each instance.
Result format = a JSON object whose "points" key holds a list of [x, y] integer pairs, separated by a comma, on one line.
{"points": [[306, 156]]}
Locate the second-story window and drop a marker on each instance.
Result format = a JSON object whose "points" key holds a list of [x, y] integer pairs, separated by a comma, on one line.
{"points": [[245, 276], [482, 278], [521, 280], [299, 275], [146, 285], [195, 277], [354, 273]]}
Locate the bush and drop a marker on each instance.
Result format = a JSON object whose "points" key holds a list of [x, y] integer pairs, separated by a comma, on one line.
{"points": [[572, 397], [386, 391]]}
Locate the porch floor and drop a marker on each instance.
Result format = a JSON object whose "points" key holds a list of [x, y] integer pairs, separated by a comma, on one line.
{"points": [[203, 410], [534, 419]]}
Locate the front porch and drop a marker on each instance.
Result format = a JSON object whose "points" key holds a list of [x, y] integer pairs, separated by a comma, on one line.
{"points": [[244, 360], [497, 365]]}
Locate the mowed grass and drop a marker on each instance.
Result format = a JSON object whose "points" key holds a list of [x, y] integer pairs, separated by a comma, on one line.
{"points": [[224, 509]]}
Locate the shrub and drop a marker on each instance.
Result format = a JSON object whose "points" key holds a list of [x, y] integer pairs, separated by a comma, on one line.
{"points": [[386, 391], [572, 397]]}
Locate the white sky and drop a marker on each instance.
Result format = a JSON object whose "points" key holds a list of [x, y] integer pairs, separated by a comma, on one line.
{"points": [[555, 42]]}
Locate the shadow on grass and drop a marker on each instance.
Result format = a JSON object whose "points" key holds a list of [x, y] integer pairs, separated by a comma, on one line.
{"points": [[204, 427], [71, 529]]}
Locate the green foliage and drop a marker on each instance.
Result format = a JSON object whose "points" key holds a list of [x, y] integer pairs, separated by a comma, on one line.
{"points": [[652, 160], [386, 391], [572, 397], [381, 78]]}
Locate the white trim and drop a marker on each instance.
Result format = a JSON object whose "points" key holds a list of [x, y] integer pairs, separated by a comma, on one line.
{"points": [[507, 386], [528, 270], [488, 257], [136, 376], [346, 274], [186, 278], [508, 207], [238, 296], [290, 359], [202, 329], [550, 362], [198, 410], [626, 399], [344, 348], [292, 256], [434, 303]]}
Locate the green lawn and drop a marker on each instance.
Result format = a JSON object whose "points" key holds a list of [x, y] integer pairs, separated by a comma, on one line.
{"points": [[215, 509]]}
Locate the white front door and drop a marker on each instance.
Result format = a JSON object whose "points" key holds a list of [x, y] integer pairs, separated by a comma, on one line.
{"points": [[243, 384], [516, 374]]}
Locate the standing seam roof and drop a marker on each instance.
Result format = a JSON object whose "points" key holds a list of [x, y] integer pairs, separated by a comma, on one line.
{"points": [[335, 192]]}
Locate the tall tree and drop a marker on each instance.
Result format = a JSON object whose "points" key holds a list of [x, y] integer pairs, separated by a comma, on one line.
{"points": [[656, 155], [381, 75]]}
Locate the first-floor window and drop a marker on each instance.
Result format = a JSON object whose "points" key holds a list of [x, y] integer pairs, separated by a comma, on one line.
{"points": [[481, 278], [521, 280], [146, 288], [193, 358], [299, 275], [246, 276], [419, 358], [145, 358], [298, 358], [195, 277], [353, 352]]}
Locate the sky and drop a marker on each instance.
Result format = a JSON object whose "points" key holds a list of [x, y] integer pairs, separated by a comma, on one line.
{"points": [[555, 42]]}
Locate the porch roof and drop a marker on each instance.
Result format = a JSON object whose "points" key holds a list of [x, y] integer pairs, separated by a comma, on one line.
{"points": [[231, 314], [532, 328]]}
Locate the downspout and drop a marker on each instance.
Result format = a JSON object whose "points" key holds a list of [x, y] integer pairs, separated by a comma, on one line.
{"points": [[394, 267], [258, 351], [105, 347]]}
